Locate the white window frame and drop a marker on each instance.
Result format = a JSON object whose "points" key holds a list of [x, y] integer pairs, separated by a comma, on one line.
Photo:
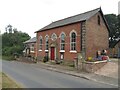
{"points": [[53, 38], [73, 51], [46, 50], [61, 50], [40, 44]]}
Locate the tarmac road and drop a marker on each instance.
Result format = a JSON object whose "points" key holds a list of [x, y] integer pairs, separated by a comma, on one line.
{"points": [[30, 76]]}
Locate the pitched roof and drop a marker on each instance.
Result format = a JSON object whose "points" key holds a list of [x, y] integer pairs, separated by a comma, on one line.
{"points": [[72, 19], [32, 40]]}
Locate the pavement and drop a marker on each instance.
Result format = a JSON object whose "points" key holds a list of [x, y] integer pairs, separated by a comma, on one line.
{"points": [[107, 75], [98, 77], [109, 70]]}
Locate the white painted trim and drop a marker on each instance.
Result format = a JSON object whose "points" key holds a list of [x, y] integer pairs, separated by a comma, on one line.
{"points": [[40, 50], [70, 38], [62, 51], [45, 41], [49, 53], [72, 32], [46, 50], [73, 51], [24, 50], [96, 61], [46, 36], [55, 36], [40, 37], [60, 38], [61, 34], [55, 54], [32, 51]]}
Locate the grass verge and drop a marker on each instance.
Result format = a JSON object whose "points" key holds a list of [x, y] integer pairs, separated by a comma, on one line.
{"points": [[7, 82]]}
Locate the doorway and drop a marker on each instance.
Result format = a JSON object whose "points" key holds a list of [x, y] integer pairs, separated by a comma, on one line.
{"points": [[52, 53]]}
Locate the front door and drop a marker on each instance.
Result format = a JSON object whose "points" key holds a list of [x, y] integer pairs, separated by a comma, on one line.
{"points": [[52, 53]]}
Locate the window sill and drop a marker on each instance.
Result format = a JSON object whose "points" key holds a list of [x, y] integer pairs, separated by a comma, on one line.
{"points": [[73, 51], [62, 51], [40, 50], [46, 50], [32, 51]]}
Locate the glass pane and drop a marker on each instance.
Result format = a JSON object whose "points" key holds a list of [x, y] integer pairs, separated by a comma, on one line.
{"points": [[40, 41], [74, 46], [40, 47], [62, 37], [47, 47], [62, 46]]}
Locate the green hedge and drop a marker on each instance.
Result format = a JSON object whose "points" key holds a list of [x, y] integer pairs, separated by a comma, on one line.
{"points": [[8, 58]]}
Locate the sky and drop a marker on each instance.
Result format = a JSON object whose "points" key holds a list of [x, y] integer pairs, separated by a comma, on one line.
{"points": [[119, 7], [31, 15]]}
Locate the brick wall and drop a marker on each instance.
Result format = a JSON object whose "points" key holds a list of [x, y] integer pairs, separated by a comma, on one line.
{"points": [[66, 29], [93, 66], [33, 54], [96, 36]]}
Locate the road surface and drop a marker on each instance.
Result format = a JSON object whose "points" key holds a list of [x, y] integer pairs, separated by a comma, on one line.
{"points": [[30, 76]]}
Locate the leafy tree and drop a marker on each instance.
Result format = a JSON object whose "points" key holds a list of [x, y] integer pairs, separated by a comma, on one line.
{"points": [[13, 42], [118, 26], [114, 24]]}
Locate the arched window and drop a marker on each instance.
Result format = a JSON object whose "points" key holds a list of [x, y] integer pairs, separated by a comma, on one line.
{"points": [[73, 41], [40, 48], [98, 20], [62, 41], [46, 43], [54, 37]]}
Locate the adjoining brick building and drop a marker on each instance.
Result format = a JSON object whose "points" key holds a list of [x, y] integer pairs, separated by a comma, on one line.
{"points": [[83, 33], [30, 47]]}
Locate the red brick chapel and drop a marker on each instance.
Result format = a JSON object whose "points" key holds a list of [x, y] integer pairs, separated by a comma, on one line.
{"points": [[64, 39]]}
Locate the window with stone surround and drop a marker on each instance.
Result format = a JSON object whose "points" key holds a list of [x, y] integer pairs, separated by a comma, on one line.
{"points": [[62, 41], [54, 37], [40, 45], [47, 42], [73, 41]]}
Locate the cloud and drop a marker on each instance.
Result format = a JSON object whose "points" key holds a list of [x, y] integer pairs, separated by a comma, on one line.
{"points": [[31, 15]]}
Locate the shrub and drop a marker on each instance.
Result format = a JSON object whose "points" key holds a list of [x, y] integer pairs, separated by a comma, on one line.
{"points": [[9, 58], [45, 59], [90, 59], [16, 55]]}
